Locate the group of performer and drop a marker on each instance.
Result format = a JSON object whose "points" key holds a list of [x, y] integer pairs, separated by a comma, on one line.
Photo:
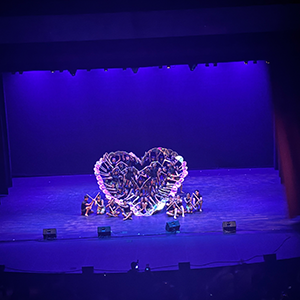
{"points": [[150, 179], [112, 209], [175, 206]]}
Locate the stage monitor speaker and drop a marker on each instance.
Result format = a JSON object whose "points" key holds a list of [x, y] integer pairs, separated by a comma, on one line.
{"points": [[270, 258], [172, 226], [229, 227], [87, 270], [49, 234], [104, 231], [183, 266]]}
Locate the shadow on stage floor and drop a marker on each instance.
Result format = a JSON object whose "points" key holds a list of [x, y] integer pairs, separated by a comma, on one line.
{"points": [[254, 198]]}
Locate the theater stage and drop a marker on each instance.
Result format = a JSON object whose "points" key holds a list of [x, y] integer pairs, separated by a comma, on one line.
{"points": [[254, 198]]}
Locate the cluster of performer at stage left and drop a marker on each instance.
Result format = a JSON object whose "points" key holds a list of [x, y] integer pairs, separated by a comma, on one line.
{"points": [[175, 206]]}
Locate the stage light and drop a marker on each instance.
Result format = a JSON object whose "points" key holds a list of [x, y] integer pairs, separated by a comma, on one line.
{"points": [[147, 269], [207, 65], [105, 69], [72, 72], [134, 70], [168, 67], [246, 62], [215, 64], [52, 71], [193, 67], [267, 62]]}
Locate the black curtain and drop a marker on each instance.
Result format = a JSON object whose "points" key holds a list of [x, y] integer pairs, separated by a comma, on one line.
{"points": [[5, 166]]}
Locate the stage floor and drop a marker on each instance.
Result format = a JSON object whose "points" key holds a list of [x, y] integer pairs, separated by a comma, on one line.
{"points": [[254, 198]]}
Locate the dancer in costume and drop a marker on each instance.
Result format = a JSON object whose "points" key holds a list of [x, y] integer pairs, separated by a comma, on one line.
{"points": [[171, 207], [112, 208], [126, 211], [153, 171], [129, 176], [144, 204], [127, 160], [179, 210], [141, 177], [86, 208], [189, 203], [115, 176], [100, 206], [197, 200], [114, 161], [162, 174]]}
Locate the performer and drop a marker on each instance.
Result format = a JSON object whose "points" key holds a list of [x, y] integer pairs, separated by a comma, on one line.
{"points": [[171, 207], [179, 206], [127, 160], [100, 206], [115, 176], [197, 200], [113, 208], [189, 203], [126, 211], [141, 180], [114, 161], [162, 174], [129, 175], [86, 208], [144, 204], [153, 198], [153, 171]]}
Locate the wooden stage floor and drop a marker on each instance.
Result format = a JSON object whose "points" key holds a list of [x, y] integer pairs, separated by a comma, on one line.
{"points": [[254, 198]]}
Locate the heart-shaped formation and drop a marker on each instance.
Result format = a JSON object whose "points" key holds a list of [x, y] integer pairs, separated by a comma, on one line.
{"points": [[145, 183]]}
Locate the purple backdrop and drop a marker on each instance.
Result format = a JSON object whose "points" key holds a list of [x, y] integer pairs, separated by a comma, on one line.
{"points": [[216, 117]]}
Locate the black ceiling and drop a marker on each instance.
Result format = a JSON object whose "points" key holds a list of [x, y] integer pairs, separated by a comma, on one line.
{"points": [[139, 52], [58, 7]]}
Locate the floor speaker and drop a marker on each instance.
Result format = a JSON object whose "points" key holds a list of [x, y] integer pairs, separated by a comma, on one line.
{"points": [[184, 266], [87, 270], [104, 231], [270, 258], [49, 234], [229, 227], [172, 226]]}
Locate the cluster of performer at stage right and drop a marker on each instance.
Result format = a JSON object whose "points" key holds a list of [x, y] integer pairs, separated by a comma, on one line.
{"points": [[175, 206]]}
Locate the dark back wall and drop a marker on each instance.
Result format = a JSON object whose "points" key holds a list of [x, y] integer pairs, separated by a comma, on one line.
{"points": [[215, 117]]}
